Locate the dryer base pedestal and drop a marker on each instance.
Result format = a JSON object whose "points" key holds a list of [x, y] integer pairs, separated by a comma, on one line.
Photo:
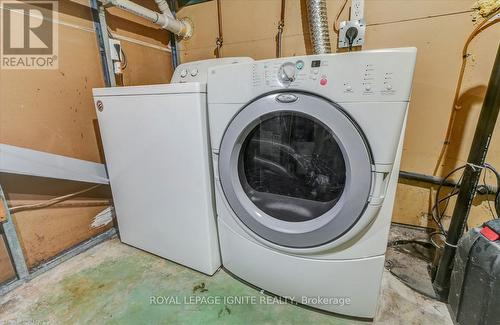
{"points": [[349, 287]]}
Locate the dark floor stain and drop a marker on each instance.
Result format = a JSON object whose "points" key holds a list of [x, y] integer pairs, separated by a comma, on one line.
{"points": [[200, 288]]}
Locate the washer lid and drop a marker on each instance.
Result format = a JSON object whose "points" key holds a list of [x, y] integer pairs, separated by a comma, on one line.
{"points": [[295, 169], [173, 88]]}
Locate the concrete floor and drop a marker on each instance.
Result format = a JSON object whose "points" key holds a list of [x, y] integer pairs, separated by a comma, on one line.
{"points": [[113, 283]]}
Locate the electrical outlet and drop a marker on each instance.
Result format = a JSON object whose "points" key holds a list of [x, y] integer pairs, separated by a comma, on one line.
{"points": [[357, 9], [360, 37]]}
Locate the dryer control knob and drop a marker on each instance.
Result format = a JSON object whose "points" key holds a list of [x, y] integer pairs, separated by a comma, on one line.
{"points": [[286, 73], [184, 73], [194, 72]]}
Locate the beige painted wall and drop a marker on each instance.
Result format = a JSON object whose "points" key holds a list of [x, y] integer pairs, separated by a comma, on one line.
{"points": [[53, 111], [437, 28]]}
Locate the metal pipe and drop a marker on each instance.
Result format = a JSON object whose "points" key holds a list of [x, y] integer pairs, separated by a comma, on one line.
{"points": [[165, 19], [220, 38], [436, 180], [281, 26], [174, 44], [15, 249], [427, 179], [101, 28], [318, 26], [480, 144]]}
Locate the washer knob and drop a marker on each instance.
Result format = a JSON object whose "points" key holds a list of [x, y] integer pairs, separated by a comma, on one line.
{"points": [[184, 73], [388, 87], [194, 72], [368, 87]]}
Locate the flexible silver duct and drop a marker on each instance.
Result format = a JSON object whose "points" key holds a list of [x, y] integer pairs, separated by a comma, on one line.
{"points": [[318, 26]]}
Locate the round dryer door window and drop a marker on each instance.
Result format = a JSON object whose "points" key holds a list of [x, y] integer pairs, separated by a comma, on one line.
{"points": [[291, 167], [295, 169]]}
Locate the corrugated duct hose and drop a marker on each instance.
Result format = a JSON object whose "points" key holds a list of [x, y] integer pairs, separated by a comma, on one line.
{"points": [[318, 26]]}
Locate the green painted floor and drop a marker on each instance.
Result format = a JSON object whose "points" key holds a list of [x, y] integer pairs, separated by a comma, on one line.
{"points": [[117, 284]]}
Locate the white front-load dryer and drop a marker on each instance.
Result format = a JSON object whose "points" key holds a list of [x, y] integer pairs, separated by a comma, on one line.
{"points": [[306, 154]]}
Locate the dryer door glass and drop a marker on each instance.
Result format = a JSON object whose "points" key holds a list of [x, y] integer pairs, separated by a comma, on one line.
{"points": [[296, 173], [291, 167]]}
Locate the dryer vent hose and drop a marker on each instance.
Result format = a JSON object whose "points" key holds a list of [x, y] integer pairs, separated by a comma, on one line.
{"points": [[318, 26]]}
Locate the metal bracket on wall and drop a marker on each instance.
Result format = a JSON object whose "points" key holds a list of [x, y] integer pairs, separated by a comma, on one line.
{"points": [[174, 44], [15, 249], [101, 30]]}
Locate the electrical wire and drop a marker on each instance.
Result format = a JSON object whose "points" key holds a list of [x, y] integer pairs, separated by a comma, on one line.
{"points": [[437, 216], [488, 21], [497, 196], [337, 17], [488, 201], [51, 201], [124, 62], [447, 198]]}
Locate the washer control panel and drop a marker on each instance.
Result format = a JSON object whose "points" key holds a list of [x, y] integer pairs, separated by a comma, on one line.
{"points": [[197, 71]]}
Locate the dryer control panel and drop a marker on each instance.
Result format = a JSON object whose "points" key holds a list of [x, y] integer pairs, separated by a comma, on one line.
{"points": [[367, 79], [380, 75]]}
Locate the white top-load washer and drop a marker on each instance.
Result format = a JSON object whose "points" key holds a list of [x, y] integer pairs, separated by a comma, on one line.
{"points": [[157, 150], [306, 154]]}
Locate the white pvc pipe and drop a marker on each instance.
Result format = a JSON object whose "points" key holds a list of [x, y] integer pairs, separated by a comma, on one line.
{"points": [[164, 8], [165, 19]]}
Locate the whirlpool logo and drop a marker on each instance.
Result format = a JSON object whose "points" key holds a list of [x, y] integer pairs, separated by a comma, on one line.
{"points": [[29, 35]]}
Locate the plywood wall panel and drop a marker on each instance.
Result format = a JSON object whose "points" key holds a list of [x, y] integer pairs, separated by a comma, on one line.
{"points": [[146, 66], [48, 232], [384, 11], [53, 110], [205, 30]]}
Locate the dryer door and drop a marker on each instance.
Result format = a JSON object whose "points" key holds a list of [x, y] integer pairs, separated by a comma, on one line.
{"points": [[295, 169]]}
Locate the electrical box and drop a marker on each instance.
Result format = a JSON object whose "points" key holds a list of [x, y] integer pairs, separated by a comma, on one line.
{"points": [[115, 49], [352, 32], [358, 40]]}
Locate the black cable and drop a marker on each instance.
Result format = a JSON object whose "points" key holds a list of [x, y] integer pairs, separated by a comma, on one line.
{"points": [[454, 191], [497, 196], [351, 34], [437, 218], [488, 201]]}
